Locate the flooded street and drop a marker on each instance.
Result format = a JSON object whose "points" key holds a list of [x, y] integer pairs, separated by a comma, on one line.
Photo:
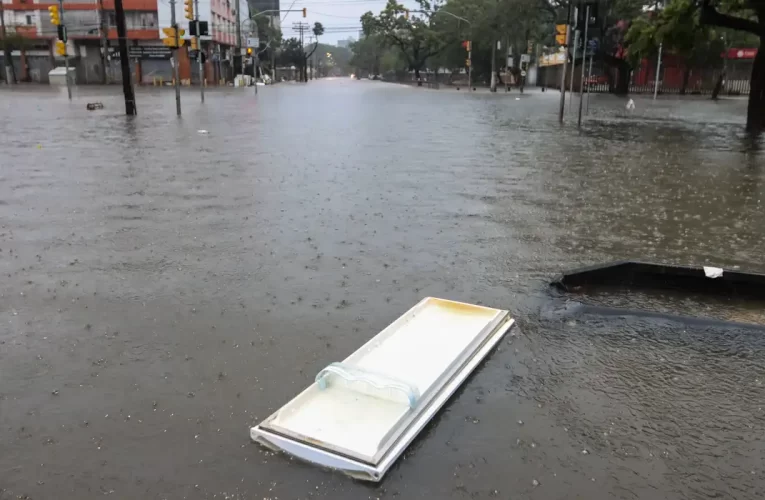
{"points": [[164, 289]]}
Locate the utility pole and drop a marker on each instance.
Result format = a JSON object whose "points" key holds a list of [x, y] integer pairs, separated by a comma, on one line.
{"points": [[565, 64], [309, 72], [66, 55], [239, 38], [199, 53], [127, 84], [493, 80], [176, 72], [300, 28], [658, 70], [103, 30], [273, 54], [581, 78]]}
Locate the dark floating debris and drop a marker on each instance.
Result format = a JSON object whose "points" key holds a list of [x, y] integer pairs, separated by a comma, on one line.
{"points": [[94, 105]]}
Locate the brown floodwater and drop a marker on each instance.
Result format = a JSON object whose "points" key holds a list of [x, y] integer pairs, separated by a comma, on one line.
{"points": [[164, 289]]}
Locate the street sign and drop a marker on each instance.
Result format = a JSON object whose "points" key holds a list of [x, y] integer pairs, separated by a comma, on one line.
{"points": [[144, 52], [592, 47], [510, 62], [253, 42], [523, 73], [525, 58]]}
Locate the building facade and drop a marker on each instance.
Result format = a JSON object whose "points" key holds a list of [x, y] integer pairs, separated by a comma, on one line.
{"points": [[92, 39], [219, 46], [85, 21]]}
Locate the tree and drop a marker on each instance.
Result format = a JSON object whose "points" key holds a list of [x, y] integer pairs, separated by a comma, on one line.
{"points": [[678, 28], [290, 54], [368, 53], [270, 34], [317, 30], [747, 16], [417, 35], [10, 41]]}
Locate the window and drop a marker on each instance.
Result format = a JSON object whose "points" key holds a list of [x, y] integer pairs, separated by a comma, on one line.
{"points": [[29, 20]]}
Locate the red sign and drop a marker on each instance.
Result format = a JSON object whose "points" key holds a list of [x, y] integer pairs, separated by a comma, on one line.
{"points": [[741, 53]]}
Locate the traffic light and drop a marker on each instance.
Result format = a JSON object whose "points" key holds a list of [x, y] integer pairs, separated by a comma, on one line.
{"points": [[189, 8], [560, 34], [468, 45], [305, 12], [193, 44], [249, 51], [169, 39], [60, 48], [467, 62], [55, 16], [529, 47]]}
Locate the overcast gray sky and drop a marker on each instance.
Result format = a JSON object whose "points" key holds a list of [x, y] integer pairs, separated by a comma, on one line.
{"points": [[339, 17]]}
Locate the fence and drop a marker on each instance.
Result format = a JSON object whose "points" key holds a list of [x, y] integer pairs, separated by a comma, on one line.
{"points": [[674, 77]]}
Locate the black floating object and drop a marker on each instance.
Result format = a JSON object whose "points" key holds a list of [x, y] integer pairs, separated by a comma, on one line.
{"points": [[94, 105], [630, 274]]}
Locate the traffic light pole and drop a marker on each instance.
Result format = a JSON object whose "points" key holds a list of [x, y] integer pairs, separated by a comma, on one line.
{"points": [[176, 72], [565, 65], [573, 68], [239, 40], [199, 53], [584, 58], [66, 55]]}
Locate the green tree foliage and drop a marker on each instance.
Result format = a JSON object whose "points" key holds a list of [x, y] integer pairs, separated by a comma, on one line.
{"points": [[417, 35], [332, 61], [678, 28], [433, 35], [291, 53]]}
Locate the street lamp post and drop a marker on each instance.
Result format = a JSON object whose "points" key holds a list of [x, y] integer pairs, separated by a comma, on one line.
{"points": [[251, 20]]}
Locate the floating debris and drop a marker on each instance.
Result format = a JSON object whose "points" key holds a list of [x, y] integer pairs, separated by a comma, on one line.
{"points": [[94, 105]]}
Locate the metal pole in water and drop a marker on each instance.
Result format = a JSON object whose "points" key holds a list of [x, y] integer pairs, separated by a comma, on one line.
{"points": [[658, 70], [66, 56], [127, 82], [176, 72], [573, 67], [199, 53], [589, 83], [565, 63], [581, 78]]}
